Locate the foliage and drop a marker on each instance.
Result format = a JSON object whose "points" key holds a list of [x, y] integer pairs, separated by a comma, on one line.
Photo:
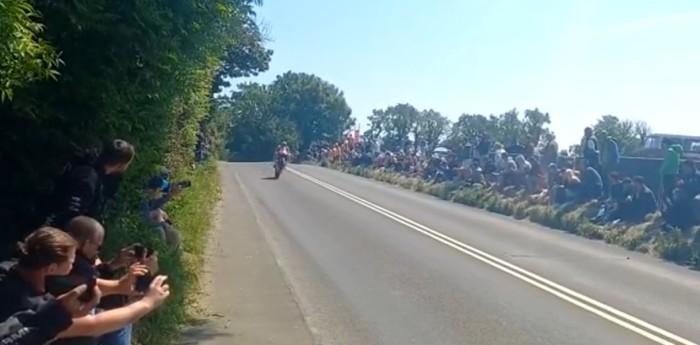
{"points": [[143, 71], [298, 108], [257, 129], [630, 135], [676, 246], [402, 124], [24, 56], [508, 129], [248, 57], [192, 214]]}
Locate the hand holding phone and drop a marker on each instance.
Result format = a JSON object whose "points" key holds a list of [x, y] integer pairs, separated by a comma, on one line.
{"points": [[141, 252], [89, 293]]}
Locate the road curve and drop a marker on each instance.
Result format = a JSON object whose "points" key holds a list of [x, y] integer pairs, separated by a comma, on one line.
{"points": [[374, 264]]}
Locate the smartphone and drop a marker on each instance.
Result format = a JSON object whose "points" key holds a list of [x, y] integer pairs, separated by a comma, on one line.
{"points": [[89, 293], [185, 184], [143, 283], [139, 251]]}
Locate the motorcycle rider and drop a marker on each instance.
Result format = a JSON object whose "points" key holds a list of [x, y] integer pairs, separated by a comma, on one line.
{"points": [[282, 151]]}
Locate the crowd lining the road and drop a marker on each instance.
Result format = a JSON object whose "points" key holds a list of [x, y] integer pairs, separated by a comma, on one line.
{"points": [[544, 175]]}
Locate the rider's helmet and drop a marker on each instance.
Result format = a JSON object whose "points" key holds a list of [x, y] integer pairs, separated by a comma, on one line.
{"points": [[284, 143]]}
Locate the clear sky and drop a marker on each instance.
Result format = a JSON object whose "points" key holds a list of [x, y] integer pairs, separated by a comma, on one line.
{"points": [[576, 59]]}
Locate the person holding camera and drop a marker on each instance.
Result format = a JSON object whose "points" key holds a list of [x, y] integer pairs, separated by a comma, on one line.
{"points": [[160, 191], [30, 316], [49, 252], [89, 235]]}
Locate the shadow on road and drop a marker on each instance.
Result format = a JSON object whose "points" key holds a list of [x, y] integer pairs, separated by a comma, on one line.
{"points": [[268, 178], [201, 330]]}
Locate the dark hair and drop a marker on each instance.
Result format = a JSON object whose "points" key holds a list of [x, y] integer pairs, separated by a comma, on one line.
{"points": [[614, 175], [83, 228], [116, 152], [44, 247]]}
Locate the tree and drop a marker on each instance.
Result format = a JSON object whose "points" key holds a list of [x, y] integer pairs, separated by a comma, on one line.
{"points": [[24, 56], [535, 123], [256, 129], [316, 107], [507, 128], [297, 108], [629, 135], [248, 57], [402, 123], [430, 128]]}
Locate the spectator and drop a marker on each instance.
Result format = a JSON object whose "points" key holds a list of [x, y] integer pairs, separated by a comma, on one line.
{"points": [[640, 203], [669, 170], [29, 315], [591, 185], [609, 161], [591, 154], [49, 252], [571, 186], [31, 327], [85, 186], [523, 172], [160, 191], [611, 209], [553, 175], [550, 153]]}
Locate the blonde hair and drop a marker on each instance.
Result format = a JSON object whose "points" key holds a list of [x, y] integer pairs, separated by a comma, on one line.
{"points": [[44, 247]]}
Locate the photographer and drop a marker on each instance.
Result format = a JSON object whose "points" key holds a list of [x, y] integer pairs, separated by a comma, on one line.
{"points": [[32, 316], [160, 191], [50, 252], [41, 326], [89, 235]]}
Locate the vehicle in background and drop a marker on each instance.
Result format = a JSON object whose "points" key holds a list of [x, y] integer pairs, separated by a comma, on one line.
{"points": [[655, 145]]}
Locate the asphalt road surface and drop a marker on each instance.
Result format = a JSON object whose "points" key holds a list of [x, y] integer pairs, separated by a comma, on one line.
{"points": [[370, 263]]}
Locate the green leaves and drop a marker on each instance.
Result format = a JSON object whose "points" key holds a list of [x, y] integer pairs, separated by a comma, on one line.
{"points": [[24, 56], [401, 124], [630, 135], [298, 108]]}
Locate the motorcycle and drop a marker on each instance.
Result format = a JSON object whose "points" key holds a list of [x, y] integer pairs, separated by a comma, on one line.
{"points": [[279, 166]]}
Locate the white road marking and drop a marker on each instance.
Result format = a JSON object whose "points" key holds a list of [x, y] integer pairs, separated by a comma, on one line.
{"points": [[605, 311]]}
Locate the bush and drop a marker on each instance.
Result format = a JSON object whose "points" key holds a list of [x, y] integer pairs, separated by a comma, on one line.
{"points": [[647, 237], [191, 213], [144, 71]]}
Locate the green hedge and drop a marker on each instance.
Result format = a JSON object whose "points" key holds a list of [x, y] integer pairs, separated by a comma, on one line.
{"points": [[681, 247], [191, 213]]}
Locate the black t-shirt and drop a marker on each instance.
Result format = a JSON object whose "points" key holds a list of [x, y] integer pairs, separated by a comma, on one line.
{"points": [[83, 270], [16, 294]]}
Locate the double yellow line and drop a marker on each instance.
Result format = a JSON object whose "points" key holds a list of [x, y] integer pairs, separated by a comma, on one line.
{"points": [[603, 310]]}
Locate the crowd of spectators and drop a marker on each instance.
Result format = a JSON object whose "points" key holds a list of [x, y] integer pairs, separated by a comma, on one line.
{"points": [[57, 288], [547, 176]]}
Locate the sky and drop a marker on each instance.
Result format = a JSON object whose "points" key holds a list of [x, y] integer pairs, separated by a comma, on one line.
{"points": [[575, 59]]}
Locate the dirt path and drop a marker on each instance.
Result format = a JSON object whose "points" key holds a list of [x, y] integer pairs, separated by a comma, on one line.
{"points": [[247, 297]]}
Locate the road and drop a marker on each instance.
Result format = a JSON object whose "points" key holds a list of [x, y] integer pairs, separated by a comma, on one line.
{"points": [[369, 263]]}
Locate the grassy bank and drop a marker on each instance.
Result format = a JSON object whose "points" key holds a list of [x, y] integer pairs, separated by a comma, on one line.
{"points": [[192, 214], [682, 247]]}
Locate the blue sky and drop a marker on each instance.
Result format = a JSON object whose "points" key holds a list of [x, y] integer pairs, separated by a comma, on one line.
{"points": [[576, 59]]}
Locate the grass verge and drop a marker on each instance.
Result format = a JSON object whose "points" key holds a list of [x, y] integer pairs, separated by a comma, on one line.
{"points": [[681, 247], [192, 214]]}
